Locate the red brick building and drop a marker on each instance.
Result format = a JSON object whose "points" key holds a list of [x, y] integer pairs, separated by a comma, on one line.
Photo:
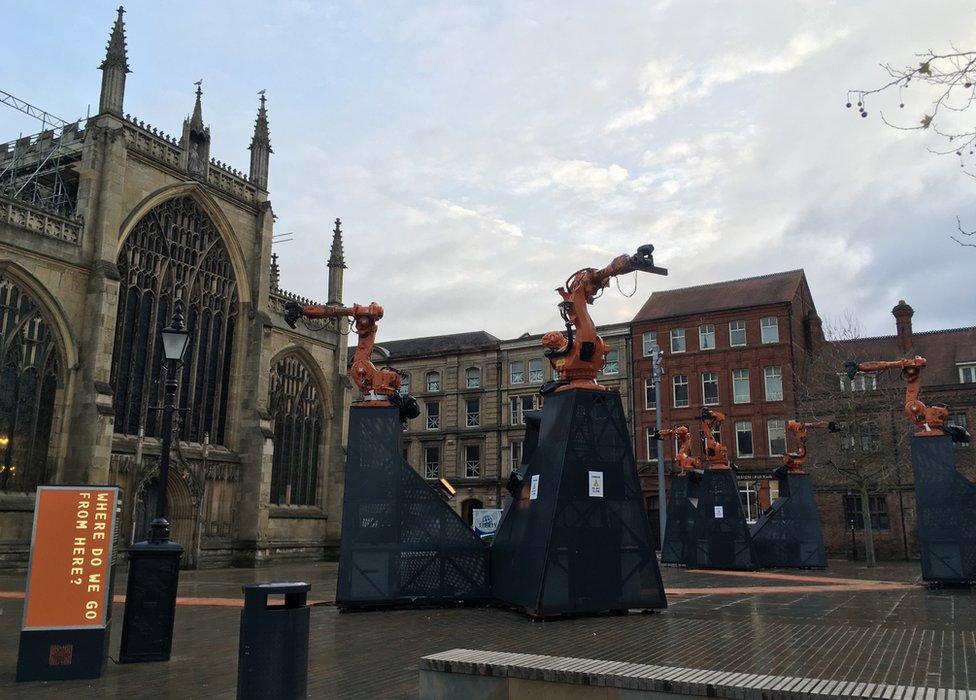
{"points": [[734, 347]]}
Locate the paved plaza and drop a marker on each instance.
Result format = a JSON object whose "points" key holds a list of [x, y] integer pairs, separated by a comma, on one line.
{"points": [[843, 624]]}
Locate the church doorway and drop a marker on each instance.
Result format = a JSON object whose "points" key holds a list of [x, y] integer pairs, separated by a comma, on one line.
{"points": [[182, 511]]}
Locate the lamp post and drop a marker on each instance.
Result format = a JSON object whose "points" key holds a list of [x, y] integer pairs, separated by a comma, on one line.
{"points": [[154, 564], [657, 369]]}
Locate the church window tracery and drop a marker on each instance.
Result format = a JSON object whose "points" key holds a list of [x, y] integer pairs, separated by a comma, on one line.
{"points": [[296, 410]]}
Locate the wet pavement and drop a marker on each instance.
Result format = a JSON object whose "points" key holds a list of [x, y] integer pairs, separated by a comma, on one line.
{"points": [[847, 623]]}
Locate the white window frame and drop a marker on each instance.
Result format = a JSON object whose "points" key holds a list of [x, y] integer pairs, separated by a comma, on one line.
{"points": [[472, 467], [674, 390], [674, 334], [967, 368], [763, 327], [517, 417], [703, 333], [475, 374], [404, 384], [705, 401], [649, 340], [468, 414], [536, 369], [738, 427], [778, 376], [428, 463], [735, 394], [648, 393], [861, 382], [516, 376], [780, 425], [651, 445], [745, 339], [615, 362], [436, 425], [515, 454], [435, 385]]}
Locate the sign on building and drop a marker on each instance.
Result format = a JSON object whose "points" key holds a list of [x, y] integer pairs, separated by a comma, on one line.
{"points": [[68, 605], [485, 520], [596, 484]]}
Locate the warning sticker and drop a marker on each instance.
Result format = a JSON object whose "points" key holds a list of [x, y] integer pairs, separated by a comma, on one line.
{"points": [[596, 484], [719, 512], [534, 488]]}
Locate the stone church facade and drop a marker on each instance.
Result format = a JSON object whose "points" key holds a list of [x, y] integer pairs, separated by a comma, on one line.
{"points": [[104, 224]]}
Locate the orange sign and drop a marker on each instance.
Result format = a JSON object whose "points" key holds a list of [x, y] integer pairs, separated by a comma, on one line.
{"points": [[71, 557]]}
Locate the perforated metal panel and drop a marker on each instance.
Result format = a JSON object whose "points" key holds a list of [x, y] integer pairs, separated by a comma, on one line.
{"points": [[788, 534], [946, 505], [401, 542], [720, 542], [567, 551], [679, 528]]}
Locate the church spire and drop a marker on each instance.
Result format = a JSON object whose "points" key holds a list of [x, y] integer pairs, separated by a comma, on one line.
{"points": [[196, 121], [337, 263], [275, 273], [260, 147], [114, 68], [196, 140]]}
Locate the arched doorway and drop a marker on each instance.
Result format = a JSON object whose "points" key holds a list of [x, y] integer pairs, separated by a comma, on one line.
{"points": [[182, 511], [174, 252], [30, 373], [468, 507]]}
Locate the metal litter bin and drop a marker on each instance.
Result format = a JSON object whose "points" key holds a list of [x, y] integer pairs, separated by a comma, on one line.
{"points": [[272, 656]]}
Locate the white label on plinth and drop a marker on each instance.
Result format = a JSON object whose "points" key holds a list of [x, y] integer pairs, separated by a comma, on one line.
{"points": [[596, 484], [534, 488], [719, 512]]}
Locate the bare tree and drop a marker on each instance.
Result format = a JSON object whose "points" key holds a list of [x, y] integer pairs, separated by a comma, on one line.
{"points": [[868, 457], [946, 85]]}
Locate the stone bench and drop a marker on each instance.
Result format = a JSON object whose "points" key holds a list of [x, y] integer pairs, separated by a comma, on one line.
{"points": [[474, 674]]}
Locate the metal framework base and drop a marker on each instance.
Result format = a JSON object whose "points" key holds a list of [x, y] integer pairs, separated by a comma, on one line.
{"points": [[721, 535], [572, 542], [402, 544], [679, 529], [946, 505], [788, 534]]}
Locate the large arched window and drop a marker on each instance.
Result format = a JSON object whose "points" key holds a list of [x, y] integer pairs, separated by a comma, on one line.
{"points": [[29, 371], [174, 252], [296, 409]]}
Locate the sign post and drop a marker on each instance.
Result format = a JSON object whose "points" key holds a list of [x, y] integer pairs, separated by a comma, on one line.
{"points": [[68, 605]]}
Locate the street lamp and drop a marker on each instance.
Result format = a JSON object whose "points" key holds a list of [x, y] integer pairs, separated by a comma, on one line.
{"points": [[154, 564]]}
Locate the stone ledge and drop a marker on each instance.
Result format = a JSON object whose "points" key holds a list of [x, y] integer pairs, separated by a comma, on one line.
{"points": [[630, 680], [303, 512]]}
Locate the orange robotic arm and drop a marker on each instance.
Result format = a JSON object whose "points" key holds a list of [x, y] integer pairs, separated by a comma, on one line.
{"points": [[929, 419], [377, 385], [716, 454], [578, 356], [684, 459], [795, 460]]}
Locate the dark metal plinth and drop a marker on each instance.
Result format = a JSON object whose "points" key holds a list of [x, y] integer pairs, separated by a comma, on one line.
{"points": [[679, 530], [150, 601], [560, 549], [401, 543], [946, 504], [788, 534], [721, 534]]}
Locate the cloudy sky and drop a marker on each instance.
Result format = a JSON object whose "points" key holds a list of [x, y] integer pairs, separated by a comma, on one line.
{"points": [[478, 153]]}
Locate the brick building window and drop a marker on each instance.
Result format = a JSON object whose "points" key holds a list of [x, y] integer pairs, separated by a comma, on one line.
{"points": [[774, 383], [651, 445], [472, 461], [535, 371], [432, 462], [516, 372], [959, 418], [706, 337], [649, 340], [743, 438], [433, 415], [517, 407], [677, 340], [515, 454], [433, 381], [710, 388], [679, 384], [650, 399], [472, 377], [770, 329], [740, 386], [862, 382], [737, 334], [967, 373], [854, 511], [404, 384], [472, 413], [776, 430], [611, 363]]}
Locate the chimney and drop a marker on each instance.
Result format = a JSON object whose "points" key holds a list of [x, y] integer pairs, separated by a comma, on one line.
{"points": [[903, 323]]}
